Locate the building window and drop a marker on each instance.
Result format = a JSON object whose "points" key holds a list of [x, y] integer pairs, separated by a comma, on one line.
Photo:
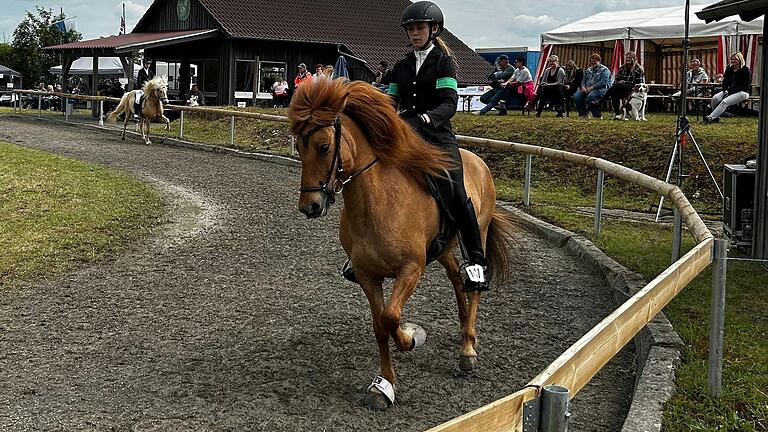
{"points": [[268, 73], [244, 75]]}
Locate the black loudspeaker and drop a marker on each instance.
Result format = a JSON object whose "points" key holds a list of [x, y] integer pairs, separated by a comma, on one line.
{"points": [[738, 204]]}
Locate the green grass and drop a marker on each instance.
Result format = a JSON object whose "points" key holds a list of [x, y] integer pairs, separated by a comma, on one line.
{"points": [[57, 213]]}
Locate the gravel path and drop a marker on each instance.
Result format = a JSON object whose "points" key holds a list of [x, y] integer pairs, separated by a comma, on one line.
{"points": [[233, 317]]}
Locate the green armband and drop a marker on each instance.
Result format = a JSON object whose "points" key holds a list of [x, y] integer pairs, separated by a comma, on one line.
{"points": [[447, 83]]}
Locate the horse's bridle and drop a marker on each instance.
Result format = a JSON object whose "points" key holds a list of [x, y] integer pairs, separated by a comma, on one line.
{"points": [[335, 187]]}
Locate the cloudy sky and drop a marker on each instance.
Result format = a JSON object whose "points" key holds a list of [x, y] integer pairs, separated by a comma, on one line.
{"points": [[486, 23]]}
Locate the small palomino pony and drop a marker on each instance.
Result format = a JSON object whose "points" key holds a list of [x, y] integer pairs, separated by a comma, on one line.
{"points": [[352, 141], [151, 97]]}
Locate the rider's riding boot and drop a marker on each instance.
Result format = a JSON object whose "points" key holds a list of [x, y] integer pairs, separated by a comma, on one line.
{"points": [[475, 268], [348, 273]]}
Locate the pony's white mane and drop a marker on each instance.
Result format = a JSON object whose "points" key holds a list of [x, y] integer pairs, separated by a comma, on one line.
{"points": [[155, 83]]}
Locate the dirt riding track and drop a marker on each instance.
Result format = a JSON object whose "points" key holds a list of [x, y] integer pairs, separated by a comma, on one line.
{"points": [[232, 316]]}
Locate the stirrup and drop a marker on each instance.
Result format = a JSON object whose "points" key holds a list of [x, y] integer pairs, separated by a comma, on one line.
{"points": [[348, 273], [475, 277]]}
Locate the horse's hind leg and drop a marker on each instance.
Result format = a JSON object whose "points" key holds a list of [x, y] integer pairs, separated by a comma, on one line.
{"points": [[467, 355], [125, 126]]}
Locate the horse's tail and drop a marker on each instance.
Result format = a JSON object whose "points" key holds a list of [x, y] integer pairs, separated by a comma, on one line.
{"points": [[498, 244], [121, 108]]}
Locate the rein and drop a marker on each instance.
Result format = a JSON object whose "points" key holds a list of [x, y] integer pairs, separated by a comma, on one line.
{"points": [[335, 187]]}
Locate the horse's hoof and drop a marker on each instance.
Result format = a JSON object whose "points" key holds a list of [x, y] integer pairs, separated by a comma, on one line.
{"points": [[376, 400], [417, 333], [467, 363]]}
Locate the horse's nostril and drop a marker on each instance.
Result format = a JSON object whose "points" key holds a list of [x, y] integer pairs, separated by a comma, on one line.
{"points": [[314, 209]]}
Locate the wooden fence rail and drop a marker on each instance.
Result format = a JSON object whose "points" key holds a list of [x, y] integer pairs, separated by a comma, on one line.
{"points": [[579, 363]]}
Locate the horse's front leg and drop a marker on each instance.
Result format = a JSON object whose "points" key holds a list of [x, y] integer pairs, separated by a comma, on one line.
{"points": [[167, 123], [467, 354], [376, 397], [408, 336]]}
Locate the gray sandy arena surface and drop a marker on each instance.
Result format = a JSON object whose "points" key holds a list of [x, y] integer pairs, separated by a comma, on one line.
{"points": [[232, 316]]}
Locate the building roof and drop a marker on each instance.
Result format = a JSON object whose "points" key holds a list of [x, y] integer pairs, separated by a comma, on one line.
{"points": [[4, 70], [369, 30], [135, 41], [659, 24], [746, 9]]}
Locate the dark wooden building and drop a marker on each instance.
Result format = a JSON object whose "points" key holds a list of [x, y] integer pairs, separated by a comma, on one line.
{"points": [[241, 46]]}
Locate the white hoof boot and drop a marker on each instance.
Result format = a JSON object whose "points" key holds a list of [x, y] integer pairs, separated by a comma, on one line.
{"points": [[381, 393], [416, 332]]}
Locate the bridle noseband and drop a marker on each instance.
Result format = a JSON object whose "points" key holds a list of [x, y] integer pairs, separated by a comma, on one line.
{"points": [[335, 187]]}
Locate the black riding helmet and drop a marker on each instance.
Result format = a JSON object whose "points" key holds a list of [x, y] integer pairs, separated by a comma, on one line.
{"points": [[424, 11]]}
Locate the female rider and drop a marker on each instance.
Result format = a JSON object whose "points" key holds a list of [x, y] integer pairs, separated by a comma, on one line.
{"points": [[424, 89]]}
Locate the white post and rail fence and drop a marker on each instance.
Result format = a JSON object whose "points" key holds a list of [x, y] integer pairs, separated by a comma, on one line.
{"points": [[568, 374]]}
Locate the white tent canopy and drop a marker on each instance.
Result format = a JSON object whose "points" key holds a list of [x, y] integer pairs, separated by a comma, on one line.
{"points": [[652, 23], [84, 66]]}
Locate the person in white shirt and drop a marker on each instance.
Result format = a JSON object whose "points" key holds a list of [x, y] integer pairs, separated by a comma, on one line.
{"points": [[519, 86]]}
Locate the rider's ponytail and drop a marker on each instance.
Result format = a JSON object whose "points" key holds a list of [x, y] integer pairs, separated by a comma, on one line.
{"points": [[440, 44]]}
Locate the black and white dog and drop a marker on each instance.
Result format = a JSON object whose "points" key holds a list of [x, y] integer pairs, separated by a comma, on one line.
{"points": [[636, 103]]}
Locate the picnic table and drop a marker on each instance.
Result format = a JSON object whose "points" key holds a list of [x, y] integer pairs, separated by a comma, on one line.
{"points": [[467, 94]]}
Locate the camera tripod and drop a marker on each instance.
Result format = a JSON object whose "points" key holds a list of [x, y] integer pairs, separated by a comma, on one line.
{"points": [[684, 126]]}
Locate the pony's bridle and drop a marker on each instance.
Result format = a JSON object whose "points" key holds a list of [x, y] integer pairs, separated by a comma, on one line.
{"points": [[335, 187]]}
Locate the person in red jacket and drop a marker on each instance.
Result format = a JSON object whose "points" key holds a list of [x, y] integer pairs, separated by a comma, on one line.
{"points": [[303, 76]]}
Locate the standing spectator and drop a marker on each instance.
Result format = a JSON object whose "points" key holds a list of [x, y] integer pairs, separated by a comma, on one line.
{"points": [[737, 86], [503, 72], [628, 75], [196, 97], [145, 74], [318, 71], [302, 76], [593, 87], [280, 92], [695, 75], [383, 76], [551, 88], [520, 86]]}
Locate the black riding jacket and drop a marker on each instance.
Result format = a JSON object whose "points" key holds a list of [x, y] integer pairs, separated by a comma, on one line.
{"points": [[432, 91]]}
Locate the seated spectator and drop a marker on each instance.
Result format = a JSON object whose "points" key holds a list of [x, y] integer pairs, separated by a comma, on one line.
{"points": [[573, 77], [695, 75], [597, 79], [627, 77], [196, 97], [551, 88], [383, 76], [503, 72], [520, 86], [737, 86], [280, 92]]}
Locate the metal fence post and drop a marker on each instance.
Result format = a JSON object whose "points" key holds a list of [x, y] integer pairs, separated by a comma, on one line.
{"points": [[527, 184], [66, 109], [39, 106], [232, 130], [599, 201], [101, 113], [677, 235], [181, 125], [554, 409], [293, 145], [717, 321]]}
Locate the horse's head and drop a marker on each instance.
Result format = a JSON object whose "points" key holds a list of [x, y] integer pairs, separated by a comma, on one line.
{"points": [[158, 88], [322, 149]]}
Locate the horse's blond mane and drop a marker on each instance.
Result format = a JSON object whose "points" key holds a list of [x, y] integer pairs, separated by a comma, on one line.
{"points": [[155, 83], [319, 102]]}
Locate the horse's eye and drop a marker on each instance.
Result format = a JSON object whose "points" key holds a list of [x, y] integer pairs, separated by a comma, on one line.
{"points": [[324, 149]]}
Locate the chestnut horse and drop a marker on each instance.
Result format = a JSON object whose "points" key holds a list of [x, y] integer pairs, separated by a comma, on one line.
{"points": [[351, 141]]}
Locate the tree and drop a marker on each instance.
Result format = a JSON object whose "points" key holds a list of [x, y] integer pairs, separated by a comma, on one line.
{"points": [[31, 35], [6, 54]]}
